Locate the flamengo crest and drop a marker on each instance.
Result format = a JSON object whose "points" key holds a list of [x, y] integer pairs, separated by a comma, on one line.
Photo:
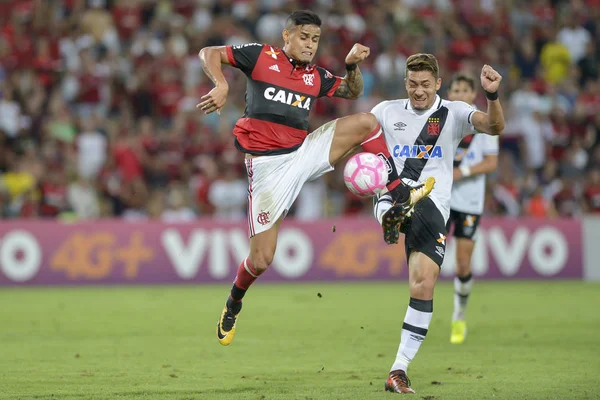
{"points": [[308, 79]]}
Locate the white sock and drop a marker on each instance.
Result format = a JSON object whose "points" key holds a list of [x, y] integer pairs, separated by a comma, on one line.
{"points": [[414, 330], [462, 290], [382, 204]]}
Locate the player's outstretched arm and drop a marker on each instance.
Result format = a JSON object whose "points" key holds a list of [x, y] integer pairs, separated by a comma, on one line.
{"points": [[212, 58], [352, 84], [491, 122]]}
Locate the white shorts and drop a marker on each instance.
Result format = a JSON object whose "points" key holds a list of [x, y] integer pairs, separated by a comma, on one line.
{"points": [[276, 181]]}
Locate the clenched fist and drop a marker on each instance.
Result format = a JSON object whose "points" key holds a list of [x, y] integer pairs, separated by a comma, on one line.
{"points": [[357, 54], [490, 79]]}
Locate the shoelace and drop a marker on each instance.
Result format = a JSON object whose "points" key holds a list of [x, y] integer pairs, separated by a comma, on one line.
{"points": [[401, 380]]}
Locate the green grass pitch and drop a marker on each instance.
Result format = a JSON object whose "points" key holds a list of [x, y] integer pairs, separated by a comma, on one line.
{"points": [[528, 340]]}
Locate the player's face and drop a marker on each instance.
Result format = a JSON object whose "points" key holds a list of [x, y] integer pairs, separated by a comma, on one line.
{"points": [[422, 87], [461, 91], [302, 42]]}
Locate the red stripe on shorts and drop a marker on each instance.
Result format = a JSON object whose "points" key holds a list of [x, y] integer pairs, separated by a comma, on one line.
{"points": [[250, 217]]}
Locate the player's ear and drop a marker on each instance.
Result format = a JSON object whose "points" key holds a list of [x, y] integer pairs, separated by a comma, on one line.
{"points": [[286, 36], [438, 84]]}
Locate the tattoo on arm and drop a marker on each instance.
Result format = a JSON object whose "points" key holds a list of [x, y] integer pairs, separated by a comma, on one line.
{"points": [[351, 86]]}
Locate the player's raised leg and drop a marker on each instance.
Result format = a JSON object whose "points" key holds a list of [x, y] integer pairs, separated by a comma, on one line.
{"points": [[401, 198], [350, 132], [262, 251], [364, 130], [423, 273], [463, 284]]}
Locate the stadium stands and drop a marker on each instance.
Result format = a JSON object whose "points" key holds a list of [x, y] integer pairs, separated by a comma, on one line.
{"points": [[98, 117]]}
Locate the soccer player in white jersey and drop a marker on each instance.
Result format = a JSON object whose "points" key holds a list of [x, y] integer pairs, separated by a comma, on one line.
{"points": [[422, 135], [476, 156]]}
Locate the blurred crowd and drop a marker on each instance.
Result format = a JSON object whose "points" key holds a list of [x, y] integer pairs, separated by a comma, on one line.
{"points": [[98, 117]]}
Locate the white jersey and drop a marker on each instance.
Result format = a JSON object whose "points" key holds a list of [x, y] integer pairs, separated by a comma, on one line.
{"points": [[423, 143], [468, 194]]}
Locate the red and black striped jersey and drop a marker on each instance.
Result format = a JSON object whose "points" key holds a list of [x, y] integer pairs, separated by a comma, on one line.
{"points": [[279, 96]]}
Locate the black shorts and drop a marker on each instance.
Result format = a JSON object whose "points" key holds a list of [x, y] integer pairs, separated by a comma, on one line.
{"points": [[425, 231], [465, 225]]}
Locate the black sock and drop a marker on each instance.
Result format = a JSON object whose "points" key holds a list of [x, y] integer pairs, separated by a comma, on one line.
{"points": [[233, 305], [421, 305], [234, 302], [237, 294], [466, 278], [392, 171]]}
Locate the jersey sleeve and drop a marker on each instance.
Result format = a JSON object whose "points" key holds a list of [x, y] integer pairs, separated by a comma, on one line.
{"points": [[329, 82], [463, 113], [244, 56], [378, 112], [490, 146]]}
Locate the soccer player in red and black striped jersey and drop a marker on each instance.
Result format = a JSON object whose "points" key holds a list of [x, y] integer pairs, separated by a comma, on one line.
{"points": [[281, 155]]}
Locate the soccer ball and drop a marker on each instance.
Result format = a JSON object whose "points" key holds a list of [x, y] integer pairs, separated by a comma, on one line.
{"points": [[365, 174]]}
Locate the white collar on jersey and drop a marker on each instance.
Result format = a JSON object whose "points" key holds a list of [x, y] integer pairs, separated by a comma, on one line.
{"points": [[436, 104]]}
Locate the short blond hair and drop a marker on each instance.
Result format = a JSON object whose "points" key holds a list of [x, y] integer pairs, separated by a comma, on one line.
{"points": [[423, 62]]}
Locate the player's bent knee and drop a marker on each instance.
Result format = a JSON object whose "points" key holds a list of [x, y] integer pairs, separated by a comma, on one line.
{"points": [[368, 121], [367, 124], [261, 261], [358, 126]]}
